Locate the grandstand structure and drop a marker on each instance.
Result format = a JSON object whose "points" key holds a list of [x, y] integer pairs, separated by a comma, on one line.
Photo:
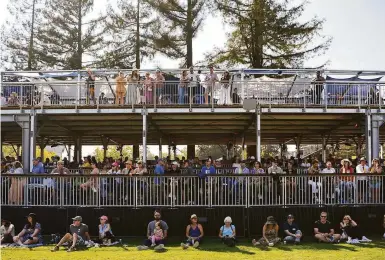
{"points": [[280, 106]]}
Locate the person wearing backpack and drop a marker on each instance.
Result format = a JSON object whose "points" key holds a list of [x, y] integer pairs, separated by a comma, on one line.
{"points": [[227, 232]]}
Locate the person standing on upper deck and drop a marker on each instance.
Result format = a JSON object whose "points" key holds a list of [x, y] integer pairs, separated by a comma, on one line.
{"points": [[133, 81], [318, 87], [184, 80], [211, 78], [90, 87], [159, 83], [120, 89]]}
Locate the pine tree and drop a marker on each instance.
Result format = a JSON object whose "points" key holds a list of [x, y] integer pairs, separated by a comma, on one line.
{"points": [[180, 22], [68, 34], [268, 34], [18, 35], [127, 24]]}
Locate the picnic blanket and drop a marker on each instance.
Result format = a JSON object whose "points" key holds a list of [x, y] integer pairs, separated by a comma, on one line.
{"points": [[19, 246]]}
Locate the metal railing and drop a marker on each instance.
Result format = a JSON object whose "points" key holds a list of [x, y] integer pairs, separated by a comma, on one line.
{"points": [[172, 93], [191, 191]]}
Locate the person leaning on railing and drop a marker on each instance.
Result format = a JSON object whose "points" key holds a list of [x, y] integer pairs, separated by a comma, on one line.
{"points": [[375, 181], [346, 183]]}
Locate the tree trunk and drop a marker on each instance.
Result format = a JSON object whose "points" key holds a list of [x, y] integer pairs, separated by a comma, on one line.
{"points": [[189, 59], [30, 48], [79, 40], [137, 45]]}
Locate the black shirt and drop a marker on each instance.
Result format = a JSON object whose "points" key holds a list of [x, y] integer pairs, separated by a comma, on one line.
{"points": [[291, 228], [323, 227]]}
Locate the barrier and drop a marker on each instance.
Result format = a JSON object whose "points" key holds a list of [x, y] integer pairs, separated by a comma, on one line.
{"points": [[191, 191]]}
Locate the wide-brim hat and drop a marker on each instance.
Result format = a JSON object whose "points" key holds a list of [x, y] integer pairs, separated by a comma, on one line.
{"points": [[346, 160], [362, 159], [270, 221]]}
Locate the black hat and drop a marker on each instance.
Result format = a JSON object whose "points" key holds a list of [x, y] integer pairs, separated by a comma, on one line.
{"points": [[290, 216]]}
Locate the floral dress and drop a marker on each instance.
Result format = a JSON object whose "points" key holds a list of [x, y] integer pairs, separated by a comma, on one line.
{"points": [[29, 231], [271, 235]]}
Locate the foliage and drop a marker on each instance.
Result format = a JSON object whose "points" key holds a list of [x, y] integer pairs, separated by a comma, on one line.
{"points": [[125, 32], [112, 151], [267, 33], [68, 33], [9, 151], [270, 150], [18, 35], [209, 250], [180, 22], [215, 151]]}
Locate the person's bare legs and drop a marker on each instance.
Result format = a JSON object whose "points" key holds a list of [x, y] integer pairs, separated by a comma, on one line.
{"points": [[322, 238], [206, 97], [17, 240], [29, 241], [67, 237]]}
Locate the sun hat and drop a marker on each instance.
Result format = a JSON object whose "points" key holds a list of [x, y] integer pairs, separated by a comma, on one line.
{"points": [[193, 216], [270, 221], [346, 160], [362, 159]]}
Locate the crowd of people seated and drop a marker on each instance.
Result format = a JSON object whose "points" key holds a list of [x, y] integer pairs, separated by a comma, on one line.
{"points": [[78, 237]]}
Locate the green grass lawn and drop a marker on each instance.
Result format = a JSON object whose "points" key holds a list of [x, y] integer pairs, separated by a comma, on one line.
{"points": [[210, 250]]}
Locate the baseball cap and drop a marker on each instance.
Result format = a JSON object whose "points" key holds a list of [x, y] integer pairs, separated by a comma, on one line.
{"points": [[35, 159], [78, 218], [115, 164], [193, 216], [290, 216]]}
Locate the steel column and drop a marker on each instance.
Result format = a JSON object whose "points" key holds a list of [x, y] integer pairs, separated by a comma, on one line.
{"points": [[160, 147], [368, 136], [324, 148], [258, 133], [78, 149], [32, 144], [144, 114]]}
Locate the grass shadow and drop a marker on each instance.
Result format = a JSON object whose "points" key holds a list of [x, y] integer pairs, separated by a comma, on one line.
{"points": [[225, 249], [325, 246]]}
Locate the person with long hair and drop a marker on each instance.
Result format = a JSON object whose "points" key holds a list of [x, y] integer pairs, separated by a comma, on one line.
{"points": [[133, 81], [346, 183], [148, 86], [184, 80], [269, 233], [225, 89], [31, 233], [120, 89], [194, 233], [7, 231], [15, 195], [353, 231], [375, 180]]}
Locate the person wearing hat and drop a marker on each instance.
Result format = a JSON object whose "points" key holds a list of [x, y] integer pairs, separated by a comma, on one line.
{"points": [[375, 181], [269, 233], [346, 183], [224, 98], [291, 230], [140, 170], [60, 169], [227, 232], [77, 237], [31, 233], [362, 181], [194, 233], [7, 232], [106, 236]]}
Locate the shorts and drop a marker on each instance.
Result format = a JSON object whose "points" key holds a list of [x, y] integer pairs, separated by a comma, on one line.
{"points": [[208, 89], [91, 91], [79, 242]]}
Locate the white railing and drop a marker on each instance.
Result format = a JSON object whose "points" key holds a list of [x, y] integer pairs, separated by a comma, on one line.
{"points": [[191, 191], [74, 94]]}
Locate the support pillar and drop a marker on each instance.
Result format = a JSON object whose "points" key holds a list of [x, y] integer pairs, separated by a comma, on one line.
{"points": [[78, 149], [244, 157], [135, 151], [298, 146], [190, 151], [69, 153], [324, 149], [25, 145], [174, 150], [105, 141], [32, 144], [144, 114], [42, 146], [160, 147], [368, 136], [377, 122], [359, 146], [18, 150], [258, 133], [169, 148]]}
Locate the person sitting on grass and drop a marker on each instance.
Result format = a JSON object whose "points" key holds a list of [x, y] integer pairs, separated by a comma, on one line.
{"points": [[157, 234], [269, 233], [150, 232], [352, 230], [194, 233], [105, 232], [31, 233], [77, 237], [291, 230], [323, 230], [7, 232], [227, 232]]}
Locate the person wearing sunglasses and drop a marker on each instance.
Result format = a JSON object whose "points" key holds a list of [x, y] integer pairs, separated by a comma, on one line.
{"points": [[77, 237], [353, 231], [323, 230], [105, 232]]}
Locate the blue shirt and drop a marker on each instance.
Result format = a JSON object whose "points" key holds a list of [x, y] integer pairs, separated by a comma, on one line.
{"points": [[227, 231], [38, 169], [206, 171], [158, 170]]}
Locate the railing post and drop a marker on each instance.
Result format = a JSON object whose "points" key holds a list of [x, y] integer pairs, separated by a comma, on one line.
{"points": [[41, 97], [136, 192], [79, 90], [359, 96]]}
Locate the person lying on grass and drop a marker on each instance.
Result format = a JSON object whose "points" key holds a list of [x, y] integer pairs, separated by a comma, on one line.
{"points": [[77, 237]]}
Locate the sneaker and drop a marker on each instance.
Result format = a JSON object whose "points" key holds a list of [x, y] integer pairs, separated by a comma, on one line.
{"points": [[159, 247], [349, 240], [254, 242], [184, 246], [142, 248], [153, 245], [56, 248], [71, 249], [355, 241], [365, 239], [196, 244]]}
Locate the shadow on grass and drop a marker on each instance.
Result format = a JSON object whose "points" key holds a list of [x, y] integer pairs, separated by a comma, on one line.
{"points": [[325, 246], [226, 249], [371, 245]]}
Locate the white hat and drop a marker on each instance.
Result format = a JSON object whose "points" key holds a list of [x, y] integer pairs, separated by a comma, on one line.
{"points": [[228, 220], [252, 158], [175, 163], [193, 216]]}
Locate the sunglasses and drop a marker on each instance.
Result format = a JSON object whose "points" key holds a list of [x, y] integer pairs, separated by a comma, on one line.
{"points": [[323, 216]]}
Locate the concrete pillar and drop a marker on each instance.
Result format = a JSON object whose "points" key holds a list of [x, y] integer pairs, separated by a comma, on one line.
{"points": [[26, 140], [190, 151], [298, 146], [377, 122], [135, 151], [258, 133], [78, 149], [18, 149], [42, 146], [144, 142], [105, 142], [69, 153]]}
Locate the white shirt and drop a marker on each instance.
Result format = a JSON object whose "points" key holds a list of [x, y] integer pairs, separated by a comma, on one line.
{"points": [[19, 171], [10, 228], [331, 170], [362, 169], [3, 101]]}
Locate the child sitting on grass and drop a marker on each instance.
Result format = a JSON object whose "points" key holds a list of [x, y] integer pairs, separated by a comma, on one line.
{"points": [[158, 234]]}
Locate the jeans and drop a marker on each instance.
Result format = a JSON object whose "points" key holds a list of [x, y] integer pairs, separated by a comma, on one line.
{"points": [[181, 93], [292, 239]]}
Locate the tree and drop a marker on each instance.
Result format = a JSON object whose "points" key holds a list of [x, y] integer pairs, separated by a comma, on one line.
{"points": [[215, 151], [18, 35], [127, 24], [9, 151], [179, 24], [68, 33], [267, 33], [112, 151]]}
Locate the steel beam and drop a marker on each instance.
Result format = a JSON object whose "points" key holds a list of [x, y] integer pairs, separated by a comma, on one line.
{"points": [[258, 133], [144, 143]]}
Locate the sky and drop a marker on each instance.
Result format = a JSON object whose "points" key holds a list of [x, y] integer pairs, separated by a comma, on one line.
{"points": [[356, 26]]}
